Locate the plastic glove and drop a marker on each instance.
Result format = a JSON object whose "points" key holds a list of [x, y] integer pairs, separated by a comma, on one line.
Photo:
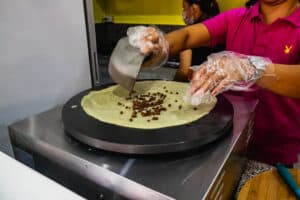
{"points": [[151, 42], [199, 99], [227, 70]]}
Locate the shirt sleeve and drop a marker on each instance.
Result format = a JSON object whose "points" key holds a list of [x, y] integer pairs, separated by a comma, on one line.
{"points": [[219, 24]]}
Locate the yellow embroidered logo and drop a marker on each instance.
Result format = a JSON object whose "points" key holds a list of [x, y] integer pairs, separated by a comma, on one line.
{"points": [[287, 49]]}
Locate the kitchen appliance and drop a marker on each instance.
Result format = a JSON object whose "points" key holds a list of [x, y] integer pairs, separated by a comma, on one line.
{"points": [[208, 172], [138, 141]]}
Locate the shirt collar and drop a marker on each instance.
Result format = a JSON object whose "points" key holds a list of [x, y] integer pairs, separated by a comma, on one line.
{"points": [[254, 12], [293, 18]]}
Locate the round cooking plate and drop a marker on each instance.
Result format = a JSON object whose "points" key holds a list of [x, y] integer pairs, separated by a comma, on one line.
{"points": [[140, 141]]}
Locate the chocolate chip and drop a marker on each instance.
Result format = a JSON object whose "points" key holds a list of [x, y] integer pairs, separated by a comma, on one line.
{"points": [[179, 107], [147, 105], [121, 112]]}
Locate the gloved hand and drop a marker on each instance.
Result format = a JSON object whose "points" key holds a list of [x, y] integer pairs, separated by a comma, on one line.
{"points": [[227, 70], [151, 42]]}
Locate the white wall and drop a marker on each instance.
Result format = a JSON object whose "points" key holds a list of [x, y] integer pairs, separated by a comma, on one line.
{"points": [[43, 56], [30, 184]]}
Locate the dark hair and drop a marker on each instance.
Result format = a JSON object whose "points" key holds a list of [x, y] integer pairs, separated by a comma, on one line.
{"points": [[249, 3], [209, 7]]}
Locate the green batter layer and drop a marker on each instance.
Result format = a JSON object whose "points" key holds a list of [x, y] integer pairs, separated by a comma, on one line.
{"points": [[112, 105]]}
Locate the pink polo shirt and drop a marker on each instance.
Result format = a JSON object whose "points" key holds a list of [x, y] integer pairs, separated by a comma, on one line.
{"points": [[276, 136]]}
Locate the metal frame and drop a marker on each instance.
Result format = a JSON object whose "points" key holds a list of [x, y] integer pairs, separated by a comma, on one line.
{"points": [[91, 40]]}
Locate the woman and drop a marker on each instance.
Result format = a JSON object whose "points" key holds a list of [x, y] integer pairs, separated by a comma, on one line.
{"points": [[195, 11], [269, 29]]}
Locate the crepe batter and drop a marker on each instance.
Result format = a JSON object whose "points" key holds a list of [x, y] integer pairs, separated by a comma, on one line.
{"points": [[153, 105]]}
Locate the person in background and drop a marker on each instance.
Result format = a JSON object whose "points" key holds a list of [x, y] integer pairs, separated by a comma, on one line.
{"points": [[195, 11], [262, 46]]}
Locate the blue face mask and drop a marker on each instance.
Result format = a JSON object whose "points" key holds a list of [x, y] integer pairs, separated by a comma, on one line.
{"points": [[186, 19]]}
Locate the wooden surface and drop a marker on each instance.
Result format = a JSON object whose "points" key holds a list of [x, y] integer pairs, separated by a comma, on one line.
{"points": [[268, 186]]}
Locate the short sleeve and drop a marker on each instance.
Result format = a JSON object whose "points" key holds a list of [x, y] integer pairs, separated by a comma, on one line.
{"points": [[218, 25]]}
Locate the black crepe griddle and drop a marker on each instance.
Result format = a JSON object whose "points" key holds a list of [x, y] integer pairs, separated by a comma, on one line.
{"points": [[140, 141]]}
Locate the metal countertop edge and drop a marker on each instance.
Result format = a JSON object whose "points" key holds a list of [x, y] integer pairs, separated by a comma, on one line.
{"points": [[233, 144], [94, 173]]}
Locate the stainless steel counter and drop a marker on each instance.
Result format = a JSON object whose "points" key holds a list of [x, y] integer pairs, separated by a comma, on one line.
{"points": [[97, 174]]}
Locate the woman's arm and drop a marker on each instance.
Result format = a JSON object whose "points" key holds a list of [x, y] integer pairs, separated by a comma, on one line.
{"points": [[172, 43], [286, 80], [229, 70], [185, 59], [189, 37]]}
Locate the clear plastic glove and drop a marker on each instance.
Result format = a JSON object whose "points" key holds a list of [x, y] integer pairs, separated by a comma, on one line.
{"points": [[199, 99], [151, 42], [227, 70]]}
